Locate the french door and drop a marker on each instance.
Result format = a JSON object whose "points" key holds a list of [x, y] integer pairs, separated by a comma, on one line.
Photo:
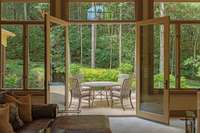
{"points": [[56, 57], [152, 51]]}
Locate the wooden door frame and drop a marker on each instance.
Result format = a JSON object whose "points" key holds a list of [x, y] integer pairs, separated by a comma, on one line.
{"points": [[155, 117], [48, 21]]}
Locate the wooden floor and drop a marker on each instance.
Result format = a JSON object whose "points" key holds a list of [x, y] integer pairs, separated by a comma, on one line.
{"points": [[100, 106]]}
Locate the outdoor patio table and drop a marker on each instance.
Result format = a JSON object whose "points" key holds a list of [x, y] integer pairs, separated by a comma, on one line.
{"points": [[107, 85]]}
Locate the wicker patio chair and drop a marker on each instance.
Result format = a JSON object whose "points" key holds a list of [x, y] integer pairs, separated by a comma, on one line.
{"points": [[121, 92], [79, 92]]}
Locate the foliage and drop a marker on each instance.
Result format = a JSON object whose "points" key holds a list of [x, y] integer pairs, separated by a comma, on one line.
{"points": [[107, 44], [36, 77], [11, 81], [75, 69], [99, 74], [193, 65], [159, 81], [13, 76], [126, 68]]}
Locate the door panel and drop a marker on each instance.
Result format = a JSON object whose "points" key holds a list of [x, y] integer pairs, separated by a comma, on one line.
{"points": [[56, 61], [153, 69]]}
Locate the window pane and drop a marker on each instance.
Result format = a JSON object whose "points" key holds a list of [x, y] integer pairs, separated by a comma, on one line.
{"points": [[13, 56], [101, 11], [36, 57], [23, 11], [190, 56], [177, 11]]}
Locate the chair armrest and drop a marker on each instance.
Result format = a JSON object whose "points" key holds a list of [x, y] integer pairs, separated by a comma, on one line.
{"points": [[44, 111]]}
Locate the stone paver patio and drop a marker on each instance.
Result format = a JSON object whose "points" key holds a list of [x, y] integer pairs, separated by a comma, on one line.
{"points": [[100, 106]]}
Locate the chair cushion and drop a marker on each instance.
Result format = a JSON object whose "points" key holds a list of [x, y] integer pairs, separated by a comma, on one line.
{"points": [[85, 88], [116, 88], [85, 94], [5, 126], [116, 94], [35, 126]]}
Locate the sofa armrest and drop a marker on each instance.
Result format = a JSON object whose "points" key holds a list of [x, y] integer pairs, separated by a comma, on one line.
{"points": [[44, 111]]}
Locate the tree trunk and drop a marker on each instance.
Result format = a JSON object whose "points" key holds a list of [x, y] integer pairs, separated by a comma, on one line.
{"points": [[81, 34], [161, 68], [173, 56], [195, 49], [14, 11], [25, 11], [93, 51], [81, 43], [120, 40]]}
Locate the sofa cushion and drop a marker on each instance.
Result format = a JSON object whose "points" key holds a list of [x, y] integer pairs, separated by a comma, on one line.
{"points": [[44, 111], [2, 97], [5, 126], [35, 126]]}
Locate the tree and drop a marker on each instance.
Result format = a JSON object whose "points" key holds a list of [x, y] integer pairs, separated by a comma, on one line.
{"points": [[120, 39], [93, 42], [162, 13]]}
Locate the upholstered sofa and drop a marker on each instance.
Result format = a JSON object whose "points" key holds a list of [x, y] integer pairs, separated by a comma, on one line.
{"points": [[42, 115], [45, 118]]}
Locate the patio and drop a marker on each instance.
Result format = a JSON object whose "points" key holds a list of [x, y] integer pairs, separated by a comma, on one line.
{"points": [[100, 106]]}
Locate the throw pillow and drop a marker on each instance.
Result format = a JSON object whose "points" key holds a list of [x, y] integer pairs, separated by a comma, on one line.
{"points": [[5, 126], [24, 106], [15, 120], [25, 109]]}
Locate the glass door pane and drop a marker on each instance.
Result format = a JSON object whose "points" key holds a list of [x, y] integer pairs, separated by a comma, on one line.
{"points": [[153, 74], [57, 68]]}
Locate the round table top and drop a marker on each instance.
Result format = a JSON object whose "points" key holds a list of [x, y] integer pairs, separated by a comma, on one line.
{"points": [[100, 84]]}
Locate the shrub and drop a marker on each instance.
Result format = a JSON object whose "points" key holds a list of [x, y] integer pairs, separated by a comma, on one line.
{"points": [[75, 69], [36, 77], [11, 81], [126, 68], [159, 81], [191, 67], [99, 74]]}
